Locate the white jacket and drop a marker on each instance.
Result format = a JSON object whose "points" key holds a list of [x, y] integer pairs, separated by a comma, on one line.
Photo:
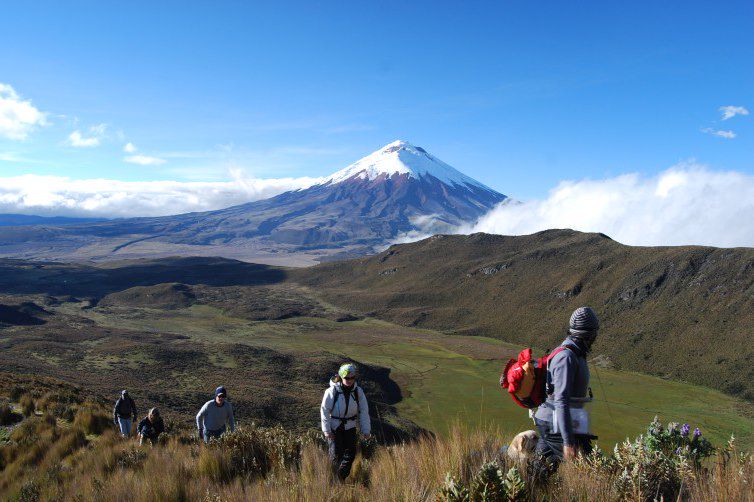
{"points": [[356, 412]]}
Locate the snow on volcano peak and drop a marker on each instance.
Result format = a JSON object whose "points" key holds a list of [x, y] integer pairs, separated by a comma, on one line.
{"points": [[401, 157]]}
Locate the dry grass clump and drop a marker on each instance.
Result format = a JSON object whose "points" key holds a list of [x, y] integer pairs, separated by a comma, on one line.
{"points": [[26, 402], [92, 421]]}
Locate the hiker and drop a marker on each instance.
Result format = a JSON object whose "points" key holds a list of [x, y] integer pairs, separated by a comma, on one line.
{"points": [[150, 427], [343, 406], [124, 413], [215, 416], [567, 392]]}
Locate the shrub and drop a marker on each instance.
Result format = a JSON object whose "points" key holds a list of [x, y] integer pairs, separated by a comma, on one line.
{"points": [[16, 392], [8, 416], [91, 421], [488, 485], [657, 464], [27, 405]]}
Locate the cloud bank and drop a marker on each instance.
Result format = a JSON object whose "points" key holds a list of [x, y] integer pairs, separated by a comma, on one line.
{"points": [[17, 117], [61, 196], [686, 204]]}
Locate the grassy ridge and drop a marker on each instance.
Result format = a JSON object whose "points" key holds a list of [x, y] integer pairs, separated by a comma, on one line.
{"points": [[680, 312]]}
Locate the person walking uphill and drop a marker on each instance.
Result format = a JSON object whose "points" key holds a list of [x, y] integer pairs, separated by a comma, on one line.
{"points": [[215, 416], [344, 405], [150, 427], [124, 413], [562, 421]]}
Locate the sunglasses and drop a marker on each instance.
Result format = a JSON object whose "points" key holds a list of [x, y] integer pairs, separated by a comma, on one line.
{"points": [[350, 378]]}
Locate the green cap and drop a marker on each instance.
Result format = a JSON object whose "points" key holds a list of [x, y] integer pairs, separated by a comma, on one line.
{"points": [[346, 369]]}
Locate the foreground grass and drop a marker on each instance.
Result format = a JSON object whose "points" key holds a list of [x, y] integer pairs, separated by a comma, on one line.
{"points": [[87, 461]]}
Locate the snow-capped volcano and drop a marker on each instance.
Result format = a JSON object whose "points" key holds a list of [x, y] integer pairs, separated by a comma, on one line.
{"points": [[399, 190], [401, 157]]}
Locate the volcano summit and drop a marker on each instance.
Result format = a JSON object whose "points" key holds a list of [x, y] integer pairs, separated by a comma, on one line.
{"points": [[396, 191]]}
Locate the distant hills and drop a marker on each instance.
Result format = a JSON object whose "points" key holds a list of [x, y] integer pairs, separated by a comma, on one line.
{"points": [[678, 312], [399, 190], [15, 220]]}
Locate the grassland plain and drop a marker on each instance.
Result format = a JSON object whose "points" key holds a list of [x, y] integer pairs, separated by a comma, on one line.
{"points": [[444, 379]]}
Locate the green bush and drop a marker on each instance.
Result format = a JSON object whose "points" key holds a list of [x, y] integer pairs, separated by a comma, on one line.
{"points": [[488, 485], [655, 465]]}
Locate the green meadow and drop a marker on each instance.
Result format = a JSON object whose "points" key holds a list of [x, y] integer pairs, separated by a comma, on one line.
{"points": [[446, 379]]}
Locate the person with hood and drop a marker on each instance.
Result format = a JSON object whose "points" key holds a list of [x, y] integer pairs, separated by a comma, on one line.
{"points": [[567, 391], [150, 427], [344, 406], [124, 413], [215, 416]]}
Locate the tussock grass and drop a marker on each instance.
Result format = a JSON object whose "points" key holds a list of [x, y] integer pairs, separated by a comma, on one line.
{"points": [[47, 461]]}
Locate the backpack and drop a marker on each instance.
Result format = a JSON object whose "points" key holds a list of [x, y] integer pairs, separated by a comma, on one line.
{"points": [[526, 379], [336, 395]]}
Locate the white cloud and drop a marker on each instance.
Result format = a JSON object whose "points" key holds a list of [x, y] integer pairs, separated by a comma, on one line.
{"points": [[731, 111], [17, 117], [719, 133], [143, 160], [96, 133], [686, 204], [54, 195], [129, 148]]}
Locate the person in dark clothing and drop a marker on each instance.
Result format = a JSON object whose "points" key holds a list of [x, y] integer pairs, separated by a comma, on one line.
{"points": [[562, 421], [150, 427], [124, 413], [344, 406]]}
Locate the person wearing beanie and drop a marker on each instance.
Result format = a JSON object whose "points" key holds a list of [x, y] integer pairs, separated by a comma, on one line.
{"points": [[567, 392], [215, 416], [344, 406], [124, 413]]}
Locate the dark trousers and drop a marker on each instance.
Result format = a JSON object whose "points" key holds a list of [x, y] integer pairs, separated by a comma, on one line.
{"points": [[342, 451], [549, 450]]}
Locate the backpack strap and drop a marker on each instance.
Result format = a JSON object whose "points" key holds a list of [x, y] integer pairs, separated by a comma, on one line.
{"points": [[336, 395]]}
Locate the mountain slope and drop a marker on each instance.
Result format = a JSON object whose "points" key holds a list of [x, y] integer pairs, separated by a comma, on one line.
{"points": [[397, 190], [682, 312]]}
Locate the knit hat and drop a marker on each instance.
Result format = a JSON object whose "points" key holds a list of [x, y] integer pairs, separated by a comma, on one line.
{"points": [[584, 321], [346, 369], [154, 411], [220, 390]]}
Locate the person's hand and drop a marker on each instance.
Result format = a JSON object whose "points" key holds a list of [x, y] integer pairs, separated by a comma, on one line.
{"points": [[201, 434], [367, 437], [329, 435], [569, 452]]}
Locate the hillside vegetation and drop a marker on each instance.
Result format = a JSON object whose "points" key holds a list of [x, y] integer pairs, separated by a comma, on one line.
{"points": [[63, 447], [677, 312]]}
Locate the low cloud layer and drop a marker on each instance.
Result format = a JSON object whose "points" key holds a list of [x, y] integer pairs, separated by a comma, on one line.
{"points": [[686, 204], [60, 196]]}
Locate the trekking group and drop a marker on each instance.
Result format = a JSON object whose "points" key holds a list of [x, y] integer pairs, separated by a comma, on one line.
{"points": [[554, 388]]}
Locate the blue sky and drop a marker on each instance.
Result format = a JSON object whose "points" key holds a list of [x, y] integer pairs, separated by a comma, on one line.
{"points": [[519, 95]]}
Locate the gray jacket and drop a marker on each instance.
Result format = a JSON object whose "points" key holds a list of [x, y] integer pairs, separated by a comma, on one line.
{"points": [[213, 417], [568, 373]]}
